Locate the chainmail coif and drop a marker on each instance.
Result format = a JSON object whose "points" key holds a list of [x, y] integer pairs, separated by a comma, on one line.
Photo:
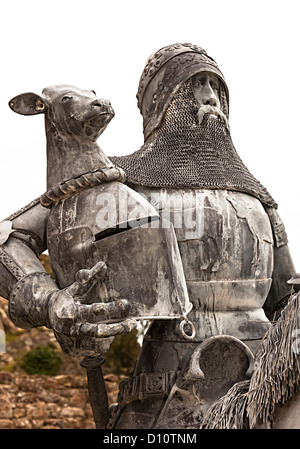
{"points": [[181, 153]]}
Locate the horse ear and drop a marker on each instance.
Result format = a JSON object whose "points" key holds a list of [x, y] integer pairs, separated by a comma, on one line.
{"points": [[28, 104]]}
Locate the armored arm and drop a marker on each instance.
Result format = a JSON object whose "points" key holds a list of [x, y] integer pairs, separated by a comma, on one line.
{"points": [[23, 280], [35, 299], [283, 270], [22, 240]]}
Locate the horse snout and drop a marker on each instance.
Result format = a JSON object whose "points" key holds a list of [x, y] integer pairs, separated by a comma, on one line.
{"points": [[101, 103]]}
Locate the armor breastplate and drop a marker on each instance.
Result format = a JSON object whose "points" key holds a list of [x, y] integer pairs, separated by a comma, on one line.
{"points": [[226, 245]]}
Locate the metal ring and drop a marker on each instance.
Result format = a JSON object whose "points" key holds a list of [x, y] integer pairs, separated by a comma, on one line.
{"points": [[184, 322]]}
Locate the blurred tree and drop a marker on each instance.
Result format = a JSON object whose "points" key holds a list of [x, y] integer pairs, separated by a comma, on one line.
{"points": [[122, 355], [42, 360]]}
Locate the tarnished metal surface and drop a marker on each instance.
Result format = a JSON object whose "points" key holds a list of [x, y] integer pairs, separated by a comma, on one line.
{"points": [[234, 254], [219, 245], [74, 120], [164, 71], [143, 264], [92, 224], [80, 183], [193, 147], [89, 210], [226, 246], [181, 401], [215, 365], [97, 390]]}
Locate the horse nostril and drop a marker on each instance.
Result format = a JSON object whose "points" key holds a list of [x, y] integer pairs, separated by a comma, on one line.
{"points": [[101, 104]]}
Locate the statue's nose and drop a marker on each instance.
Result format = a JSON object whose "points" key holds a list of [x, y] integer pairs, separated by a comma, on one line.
{"points": [[209, 97], [101, 103]]}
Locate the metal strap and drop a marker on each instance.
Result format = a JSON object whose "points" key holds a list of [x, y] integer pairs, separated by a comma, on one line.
{"points": [[10, 265], [82, 182], [145, 386], [279, 233]]}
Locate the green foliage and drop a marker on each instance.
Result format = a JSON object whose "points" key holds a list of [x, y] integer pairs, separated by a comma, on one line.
{"points": [[42, 360], [9, 368], [123, 353]]}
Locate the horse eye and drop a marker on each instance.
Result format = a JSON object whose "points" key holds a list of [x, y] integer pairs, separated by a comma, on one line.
{"points": [[66, 98], [93, 92]]}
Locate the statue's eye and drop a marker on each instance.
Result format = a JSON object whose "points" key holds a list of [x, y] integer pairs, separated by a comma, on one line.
{"points": [[198, 83], [66, 98], [93, 92]]}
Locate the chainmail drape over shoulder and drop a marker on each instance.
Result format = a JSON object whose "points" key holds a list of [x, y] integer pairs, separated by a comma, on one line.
{"points": [[181, 153]]}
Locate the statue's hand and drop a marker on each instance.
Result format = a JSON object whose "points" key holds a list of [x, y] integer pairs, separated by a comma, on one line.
{"points": [[80, 328]]}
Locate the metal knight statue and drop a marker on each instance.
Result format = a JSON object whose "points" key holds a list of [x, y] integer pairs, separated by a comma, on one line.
{"points": [[179, 233]]}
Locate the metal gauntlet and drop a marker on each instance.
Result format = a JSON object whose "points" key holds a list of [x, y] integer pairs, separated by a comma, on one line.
{"points": [[23, 279], [28, 302]]}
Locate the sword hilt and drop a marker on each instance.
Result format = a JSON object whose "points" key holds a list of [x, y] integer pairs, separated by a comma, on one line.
{"points": [[97, 390]]}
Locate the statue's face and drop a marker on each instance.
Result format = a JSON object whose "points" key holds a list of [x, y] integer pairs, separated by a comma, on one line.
{"points": [[206, 88]]}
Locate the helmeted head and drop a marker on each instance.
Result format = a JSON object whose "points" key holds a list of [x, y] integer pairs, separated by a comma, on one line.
{"points": [[184, 101], [166, 71]]}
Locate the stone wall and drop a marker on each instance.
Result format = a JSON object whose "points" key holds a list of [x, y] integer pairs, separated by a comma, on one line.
{"points": [[43, 402]]}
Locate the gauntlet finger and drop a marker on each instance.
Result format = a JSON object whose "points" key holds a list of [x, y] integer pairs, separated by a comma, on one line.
{"points": [[94, 347], [85, 279], [106, 330], [85, 276], [112, 310], [98, 312], [83, 346]]}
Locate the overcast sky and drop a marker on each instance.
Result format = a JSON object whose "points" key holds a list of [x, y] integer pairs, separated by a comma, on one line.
{"points": [[103, 45]]}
